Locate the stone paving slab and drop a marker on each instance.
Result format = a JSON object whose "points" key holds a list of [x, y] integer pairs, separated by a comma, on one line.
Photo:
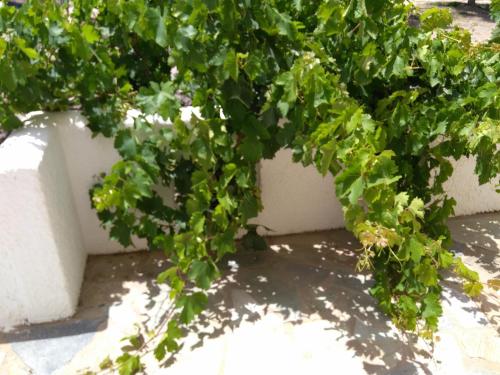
{"points": [[298, 308], [48, 347]]}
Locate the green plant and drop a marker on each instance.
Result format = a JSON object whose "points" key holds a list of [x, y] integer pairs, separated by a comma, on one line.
{"points": [[379, 104], [495, 15]]}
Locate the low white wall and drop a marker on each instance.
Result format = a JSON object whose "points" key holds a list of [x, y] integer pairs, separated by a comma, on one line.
{"points": [[295, 199], [308, 202], [298, 199], [86, 158], [42, 257], [471, 197], [47, 225]]}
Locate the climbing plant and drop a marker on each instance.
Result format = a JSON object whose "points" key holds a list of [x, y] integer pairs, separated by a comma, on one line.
{"points": [[350, 86]]}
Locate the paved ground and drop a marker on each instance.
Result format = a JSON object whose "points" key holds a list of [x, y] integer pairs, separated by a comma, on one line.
{"points": [[297, 308], [474, 18]]}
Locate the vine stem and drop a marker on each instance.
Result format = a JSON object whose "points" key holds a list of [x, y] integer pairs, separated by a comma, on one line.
{"points": [[141, 350]]}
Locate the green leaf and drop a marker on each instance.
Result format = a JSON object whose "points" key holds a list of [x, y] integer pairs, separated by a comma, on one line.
{"points": [[90, 34], [495, 10], [121, 232], [30, 52], [355, 121], [445, 259], [224, 243], [356, 190], [328, 151], [417, 208], [253, 241], [436, 18], [125, 144], [9, 79], [135, 341], [432, 306], [161, 31], [169, 341], [231, 68], [168, 274], [229, 171], [129, 364], [399, 66], [416, 249], [426, 273], [106, 363], [3, 47], [249, 206], [251, 149], [203, 273], [152, 26], [159, 99], [11, 122], [345, 181], [432, 309], [473, 288], [197, 223], [191, 305]]}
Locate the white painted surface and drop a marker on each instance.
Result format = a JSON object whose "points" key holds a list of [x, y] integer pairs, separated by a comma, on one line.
{"points": [[42, 257], [297, 199], [47, 225], [471, 197], [86, 158]]}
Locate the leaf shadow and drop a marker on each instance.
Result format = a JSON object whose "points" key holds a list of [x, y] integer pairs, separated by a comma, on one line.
{"points": [[307, 278]]}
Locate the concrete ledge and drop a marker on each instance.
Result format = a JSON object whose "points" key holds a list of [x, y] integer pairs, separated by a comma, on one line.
{"points": [[42, 257]]}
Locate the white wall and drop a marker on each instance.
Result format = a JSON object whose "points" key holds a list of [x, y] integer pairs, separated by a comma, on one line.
{"points": [[471, 197], [298, 199], [47, 226], [307, 204], [295, 199], [42, 257], [86, 158]]}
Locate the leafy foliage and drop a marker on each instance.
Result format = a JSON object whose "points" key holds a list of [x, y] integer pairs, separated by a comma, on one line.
{"points": [[349, 86]]}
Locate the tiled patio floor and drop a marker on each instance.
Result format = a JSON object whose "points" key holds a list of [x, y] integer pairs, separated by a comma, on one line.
{"points": [[299, 308]]}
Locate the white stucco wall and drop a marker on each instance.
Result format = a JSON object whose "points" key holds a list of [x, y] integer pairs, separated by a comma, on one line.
{"points": [[471, 197], [47, 225], [86, 158], [297, 199], [42, 257], [307, 204]]}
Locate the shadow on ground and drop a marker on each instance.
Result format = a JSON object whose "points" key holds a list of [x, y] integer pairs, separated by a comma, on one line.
{"points": [[107, 279], [300, 298], [118, 290], [311, 277]]}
